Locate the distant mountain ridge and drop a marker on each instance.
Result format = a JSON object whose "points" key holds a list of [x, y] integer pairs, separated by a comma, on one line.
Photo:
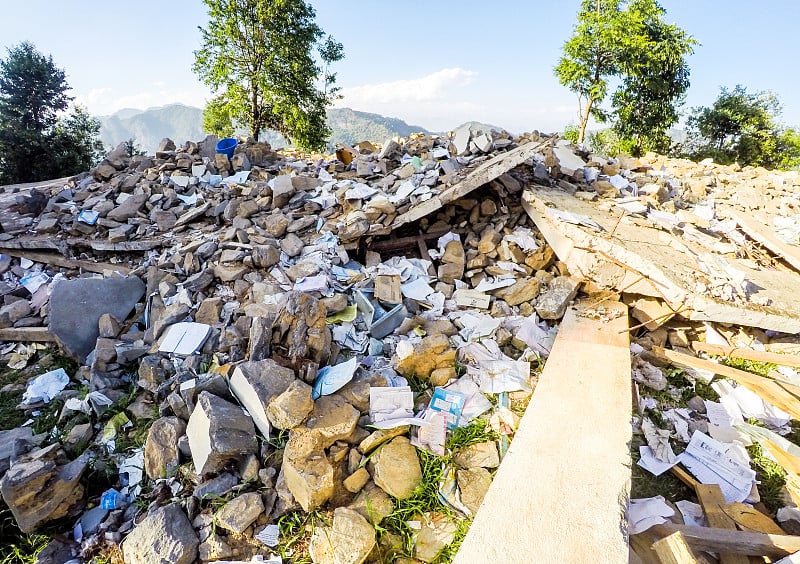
{"points": [[180, 123]]}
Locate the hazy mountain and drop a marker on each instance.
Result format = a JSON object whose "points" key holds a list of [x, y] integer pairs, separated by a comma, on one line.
{"points": [[179, 123]]}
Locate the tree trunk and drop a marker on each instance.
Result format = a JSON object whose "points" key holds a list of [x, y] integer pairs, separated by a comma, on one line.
{"points": [[585, 120], [255, 117]]}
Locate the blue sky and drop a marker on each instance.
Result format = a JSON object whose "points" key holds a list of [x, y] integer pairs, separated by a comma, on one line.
{"points": [[434, 64]]}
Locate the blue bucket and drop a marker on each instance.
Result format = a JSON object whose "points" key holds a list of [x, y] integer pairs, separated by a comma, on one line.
{"points": [[227, 146]]}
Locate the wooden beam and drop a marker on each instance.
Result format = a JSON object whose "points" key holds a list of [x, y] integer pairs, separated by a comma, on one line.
{"points": [[673, 549], [482, 174], [684, 476], [766, 236], [783, 396], [58, 260], [582, 468], [711, 498], [27, 334], [751, 519], [748, 354], [740, 542]]}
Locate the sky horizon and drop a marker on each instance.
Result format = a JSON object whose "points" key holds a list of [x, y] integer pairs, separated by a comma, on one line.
{"points": [[434, 65]]}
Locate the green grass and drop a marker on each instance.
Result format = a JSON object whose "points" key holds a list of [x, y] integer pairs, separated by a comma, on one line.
{"points": [[296, 529], [15, 546], [644, 484], [760, 368], [476, 432], [771, 476]]}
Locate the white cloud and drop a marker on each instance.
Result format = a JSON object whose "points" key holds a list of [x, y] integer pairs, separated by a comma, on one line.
{"points": [[435, 86], [105, 101]]}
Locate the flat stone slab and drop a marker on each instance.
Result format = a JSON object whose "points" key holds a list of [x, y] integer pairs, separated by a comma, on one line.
{"points": [[561, 491], [76, 307]]}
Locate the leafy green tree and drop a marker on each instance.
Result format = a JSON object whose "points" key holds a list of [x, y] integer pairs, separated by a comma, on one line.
{"points": [[626, 41], [37, 140], [258, 58], [742, 127]]}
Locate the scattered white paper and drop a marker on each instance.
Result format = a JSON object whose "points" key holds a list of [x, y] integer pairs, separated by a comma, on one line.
{"points": [[492, 370], [475, 404], [647, 512], [692, 513], [712, 462], [417, 289], [332, 378], [34, 281], [360, 192], [433, 435], [388, 403], [94, 401], [133, 467], [652, 464], [45, 386], [658, 441], [488, 284], [238, 178], [523, 238]]}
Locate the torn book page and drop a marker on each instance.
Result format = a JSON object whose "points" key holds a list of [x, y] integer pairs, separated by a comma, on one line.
{"points": [[658, 441], [712, 462], [652, 464], [692, 513], [45, 387], [475, 404], [433, 435]]}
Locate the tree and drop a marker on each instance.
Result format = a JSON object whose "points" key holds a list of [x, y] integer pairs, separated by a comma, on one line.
{"points": [[742, 127], [258, 58], [37, 141], [626, 41]]}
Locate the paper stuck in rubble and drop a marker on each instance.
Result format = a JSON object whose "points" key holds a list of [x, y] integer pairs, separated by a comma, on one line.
{"points": [[185, 338], [649, 462], [390, 403], [712, 462], [45, 386], [332, 378], [646, 512], [433, 435], [448, 402]]}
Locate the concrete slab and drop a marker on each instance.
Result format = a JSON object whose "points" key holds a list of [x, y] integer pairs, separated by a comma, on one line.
{"points": [[76, 307], [561, 491]]}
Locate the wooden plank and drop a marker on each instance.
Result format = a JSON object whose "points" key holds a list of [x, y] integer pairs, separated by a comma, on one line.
{"points": [[673, 549], [711, 498], [741, 542], [58, 260], [751, 519], [748, 354], [766, 236], [582, 468], [27, 334], [684, 476], [783, 396], [61, 245], [642, 546], [483, 173]]}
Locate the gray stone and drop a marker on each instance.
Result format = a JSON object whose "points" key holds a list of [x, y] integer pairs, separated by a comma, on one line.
{"points": [[216, 487], [292, 407], [255, 383], [473, 484], [292, 245], [265, 256], [552, 304], [240, 512], [77, 305], [349, 539], [13, 312], [214, 548], [151, 374], [161, 455], [127, 209], [36, 489], [218, 431], [14, 443], [396, 468], [164, 536], [90, 520], [461, 140]]}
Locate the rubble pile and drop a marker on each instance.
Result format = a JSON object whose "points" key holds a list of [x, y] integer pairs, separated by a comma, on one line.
{"points": [[273, 344]]}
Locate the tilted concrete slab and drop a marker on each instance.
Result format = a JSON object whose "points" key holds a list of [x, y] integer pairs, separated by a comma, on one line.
{"points": [[561, 491]]}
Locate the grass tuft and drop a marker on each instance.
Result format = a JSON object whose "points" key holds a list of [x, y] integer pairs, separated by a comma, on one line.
{"points": [[771, 476]]}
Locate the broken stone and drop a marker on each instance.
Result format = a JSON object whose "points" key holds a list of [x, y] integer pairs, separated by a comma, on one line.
{"points": [[377, 438], [165, 535], [479, 455], [396, 468], [523, 290], [256, 383], [307, 473], [349, 540], [372, 503], [109, 326], [473, 484], [357, 480], [37, 490], [433, 352], [218, 431], [333, 419], [292, 407], [437, 532], [77, 305], [552, 304], [240, 512], [216, 487], [161, 455]]}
